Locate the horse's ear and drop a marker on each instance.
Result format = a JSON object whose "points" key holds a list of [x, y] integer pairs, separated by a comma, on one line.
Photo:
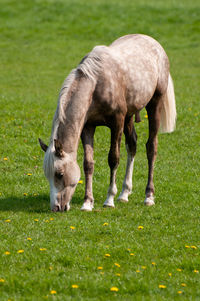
{"points": [[58, 148], [43, 145]]}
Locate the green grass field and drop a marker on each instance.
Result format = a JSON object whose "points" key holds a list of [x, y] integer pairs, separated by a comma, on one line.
{"points": [[63, 256]]}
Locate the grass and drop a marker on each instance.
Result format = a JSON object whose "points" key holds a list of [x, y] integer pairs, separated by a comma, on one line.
{"points": [[41, 41]]}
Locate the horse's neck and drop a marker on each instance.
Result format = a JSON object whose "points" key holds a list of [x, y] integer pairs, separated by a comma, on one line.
{"points": [[77, 107]]}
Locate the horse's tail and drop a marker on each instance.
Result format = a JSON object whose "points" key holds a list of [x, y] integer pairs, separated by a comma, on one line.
{"points": [[168, 111]]}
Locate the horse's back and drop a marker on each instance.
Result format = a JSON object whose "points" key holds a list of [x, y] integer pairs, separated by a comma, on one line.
{"points": [[137, 46], [145, 65], [130, 71]]}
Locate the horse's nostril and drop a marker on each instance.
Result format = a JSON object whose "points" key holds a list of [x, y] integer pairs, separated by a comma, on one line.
{"points": [[64, 208], [56, 208]]}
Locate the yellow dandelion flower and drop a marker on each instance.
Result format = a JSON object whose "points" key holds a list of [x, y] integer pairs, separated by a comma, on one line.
{"points": [[29, 238], [140, 227], [179, 270], [170, 274], [153, 263], [146, 116], [144, 267], [193, 247], [25, 194], [183, 284], [100, 268], [80, 182], [50, 268], [117, 264], [46, 221], [105, 224], [5, 159], [107, 255], [7, 221], [43, 249], [53, 292], [75, 286], [7, 253], [162, 286], [132, 254], [117, 274], [179, 292], [114, 289], [137, 271], [187, 246], [72, 227], [2, 280], [29, 174], [129, 250], [51, 219], [196, 271], [20, 251], [36, 219]]}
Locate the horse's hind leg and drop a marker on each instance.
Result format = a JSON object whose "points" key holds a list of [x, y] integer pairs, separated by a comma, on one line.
{"points": [[131, 140], [113, 157], [154, 115], [87, 137]]}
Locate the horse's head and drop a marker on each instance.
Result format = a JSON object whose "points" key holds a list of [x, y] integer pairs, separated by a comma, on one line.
{"points": [[63, 174]]}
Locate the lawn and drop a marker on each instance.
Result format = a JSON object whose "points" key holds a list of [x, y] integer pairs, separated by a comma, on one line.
{"points": [[129, 253]]}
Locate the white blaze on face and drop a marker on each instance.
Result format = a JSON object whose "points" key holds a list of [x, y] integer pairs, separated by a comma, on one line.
{"points": [[61, 190], [53, 195]]}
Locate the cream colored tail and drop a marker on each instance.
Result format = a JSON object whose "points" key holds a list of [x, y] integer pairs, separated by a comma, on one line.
{"points": [[168, 112]]}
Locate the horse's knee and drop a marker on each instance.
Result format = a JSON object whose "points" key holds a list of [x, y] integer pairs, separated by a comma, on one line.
{"points": [[113, 159], [88, 167], [131, 137], [151, 147], [134, 143]]}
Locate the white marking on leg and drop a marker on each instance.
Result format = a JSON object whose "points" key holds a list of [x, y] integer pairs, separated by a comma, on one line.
{"points": [[87, 206], [149, 201], [127, 184], [112, 191]]}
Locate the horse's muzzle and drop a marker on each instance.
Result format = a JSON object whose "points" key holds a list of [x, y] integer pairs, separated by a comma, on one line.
{"points": [[57, 208]]}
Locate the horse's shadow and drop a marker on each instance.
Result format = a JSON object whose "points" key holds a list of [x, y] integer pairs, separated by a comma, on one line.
{"points": [[37, 204]]}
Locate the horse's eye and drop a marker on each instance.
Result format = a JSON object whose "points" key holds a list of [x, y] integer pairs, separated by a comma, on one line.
{"points": [[58, 175]]}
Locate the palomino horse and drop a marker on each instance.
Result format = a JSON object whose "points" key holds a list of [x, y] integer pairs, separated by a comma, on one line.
{"points": [[109, 86]]}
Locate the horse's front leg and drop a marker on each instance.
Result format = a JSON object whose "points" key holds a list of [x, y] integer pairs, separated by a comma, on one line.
{"points": [[87, 138], [113, 158], [154, 115], [131, 140]]}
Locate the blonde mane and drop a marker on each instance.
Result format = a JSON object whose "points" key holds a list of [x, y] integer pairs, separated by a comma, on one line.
{"points": [[91, 67]]}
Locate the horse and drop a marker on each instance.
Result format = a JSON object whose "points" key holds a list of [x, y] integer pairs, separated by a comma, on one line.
{"points": [[110, 86]]}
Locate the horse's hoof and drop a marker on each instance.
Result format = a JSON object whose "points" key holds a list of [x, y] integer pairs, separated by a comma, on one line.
{"points": [[149, 201], [122, 200], [123, 197], [109, 203], [87, 206], [108, 206]]}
